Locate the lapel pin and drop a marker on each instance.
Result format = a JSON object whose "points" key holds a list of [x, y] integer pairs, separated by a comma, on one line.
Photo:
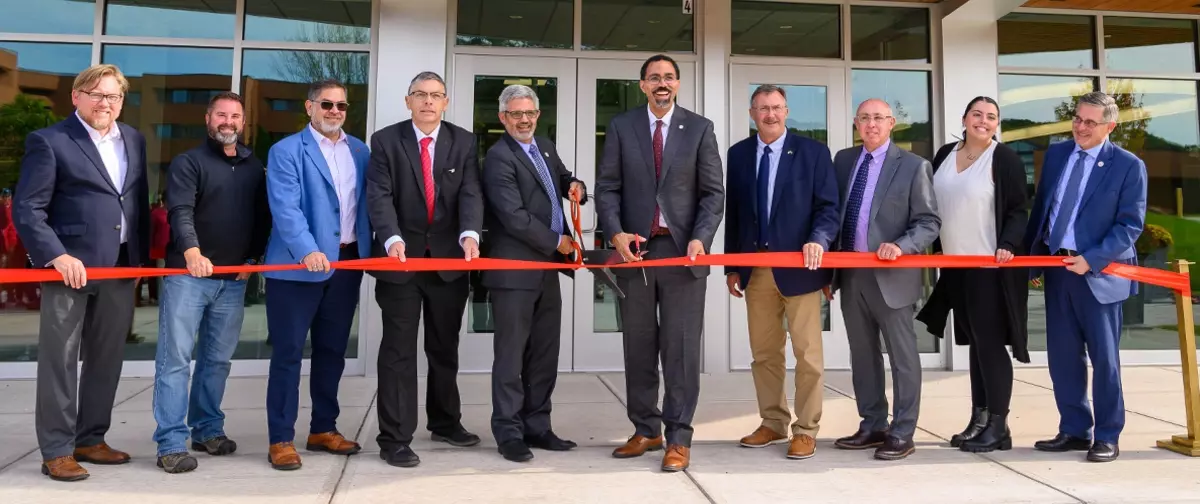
{"points": [[789, 153], [452, 170], [547, 154], [1100, 164], [680, 126]]}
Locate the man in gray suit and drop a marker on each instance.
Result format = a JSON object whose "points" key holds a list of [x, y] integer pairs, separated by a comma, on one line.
{"points": [[661, 178], [888, 208], [524, 183]]}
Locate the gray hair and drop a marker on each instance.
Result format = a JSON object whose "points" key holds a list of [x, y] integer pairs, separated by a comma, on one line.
{"points": [[517, 91], [315, 89], [766, 89], [1103, 101], [425, 76]]}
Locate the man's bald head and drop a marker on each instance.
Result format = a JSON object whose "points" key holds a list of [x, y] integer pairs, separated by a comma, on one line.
{"points": [[874, 122]]}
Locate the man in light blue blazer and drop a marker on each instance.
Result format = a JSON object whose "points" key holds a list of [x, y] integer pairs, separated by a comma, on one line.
{"points": [[1090, 208], [315, 186]]}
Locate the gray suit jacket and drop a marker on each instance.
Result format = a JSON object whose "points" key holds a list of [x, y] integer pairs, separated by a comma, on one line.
{"points": [[903, 212], [690, 193]]}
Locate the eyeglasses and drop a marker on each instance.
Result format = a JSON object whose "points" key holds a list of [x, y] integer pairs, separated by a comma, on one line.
{"points": [[516, 114], [1090, 124], [656, 80], [112, 98], [866, 119], [422, 96], [774, 108], [328, 105]]}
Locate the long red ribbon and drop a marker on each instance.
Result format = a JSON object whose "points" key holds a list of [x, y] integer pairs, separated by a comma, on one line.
{"points": [[1169, 279]]}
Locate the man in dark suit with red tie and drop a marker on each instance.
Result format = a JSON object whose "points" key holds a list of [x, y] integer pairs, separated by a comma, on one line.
{"points": [[424, 200]]}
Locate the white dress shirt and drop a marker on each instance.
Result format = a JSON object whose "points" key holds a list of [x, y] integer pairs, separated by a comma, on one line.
{"points": [[345, 179], [115, 159], [666, 128], [387, 245]]}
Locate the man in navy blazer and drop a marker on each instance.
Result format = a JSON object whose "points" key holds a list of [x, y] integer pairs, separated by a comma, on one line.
{"points": [[782, 197], [82, 201], [1090, 208], [315, 187]]}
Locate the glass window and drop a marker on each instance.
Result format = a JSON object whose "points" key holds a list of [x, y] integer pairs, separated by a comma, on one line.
{"points": [[60, 17], [889, 34], [1045, 40], [489, 130], [211, 19], [35, 92], [784, 29], [637, 25], [1151, 45], [320, 21], [517, 23], [270, 77]]}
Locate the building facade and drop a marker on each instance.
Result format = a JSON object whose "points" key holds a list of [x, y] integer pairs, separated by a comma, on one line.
{"points": [[926, 58]]}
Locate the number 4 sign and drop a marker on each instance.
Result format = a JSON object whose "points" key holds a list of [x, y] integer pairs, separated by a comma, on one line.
{"points": [[687, 6]]}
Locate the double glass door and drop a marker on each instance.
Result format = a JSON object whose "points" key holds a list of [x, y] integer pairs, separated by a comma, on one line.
{"points": [[577, 99]]}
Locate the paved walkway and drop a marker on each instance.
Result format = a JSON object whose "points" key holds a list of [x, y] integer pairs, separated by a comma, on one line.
{"points": [[589, 410]]}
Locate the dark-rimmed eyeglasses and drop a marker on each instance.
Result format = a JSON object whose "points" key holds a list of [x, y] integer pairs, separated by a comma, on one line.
{"points": [[328, 105], [516, 114]]}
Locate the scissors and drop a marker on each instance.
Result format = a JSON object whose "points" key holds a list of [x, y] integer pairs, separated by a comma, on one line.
{"points": [[595, 257]]}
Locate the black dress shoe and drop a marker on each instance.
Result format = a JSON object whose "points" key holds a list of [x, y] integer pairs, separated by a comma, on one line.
{"points": [[1063, 442], [1103, 452], [549, 441], [862, 440], [400, 456], [895, 449], [979, 420], [515, 450], [460, 437]]}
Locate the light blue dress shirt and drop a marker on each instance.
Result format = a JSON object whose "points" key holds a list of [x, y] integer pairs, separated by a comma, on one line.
{"points": [[1061, 191], [776, 154]]}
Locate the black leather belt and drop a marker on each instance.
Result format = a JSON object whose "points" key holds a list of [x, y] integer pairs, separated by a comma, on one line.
{"points": [[1065, 252]]}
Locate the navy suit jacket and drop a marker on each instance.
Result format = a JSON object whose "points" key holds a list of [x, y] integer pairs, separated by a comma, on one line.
{"points": [[1109, 218], [804, 208], [66, 203]]}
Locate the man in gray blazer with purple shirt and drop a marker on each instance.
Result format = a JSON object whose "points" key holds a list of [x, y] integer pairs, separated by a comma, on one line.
{"points": [[888, 208]]}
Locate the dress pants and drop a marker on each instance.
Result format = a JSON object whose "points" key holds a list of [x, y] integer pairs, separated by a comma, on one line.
{"points": [[766, 310], [867, 315], [1078, 328], [663, 317], [89, 323], [402, 305], [525, 368], [294, 310]]}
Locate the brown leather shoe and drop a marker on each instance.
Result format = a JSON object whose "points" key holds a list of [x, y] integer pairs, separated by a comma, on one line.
{"points": [[803, 446], [678, 458], [637, 446], [100, 454], [283, 456], [332, 442], [64, 469], [763, 436]]}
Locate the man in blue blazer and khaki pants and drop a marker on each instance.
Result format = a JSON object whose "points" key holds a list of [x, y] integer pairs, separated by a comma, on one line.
{"points": [[1090, 209], [315, 186], [782, 196]]}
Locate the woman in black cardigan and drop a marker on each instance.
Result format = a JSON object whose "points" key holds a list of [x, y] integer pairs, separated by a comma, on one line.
{"points": [[980, 188]]}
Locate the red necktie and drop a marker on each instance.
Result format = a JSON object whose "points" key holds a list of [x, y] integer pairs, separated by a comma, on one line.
{"points": [[658, 153], [427, 169]]}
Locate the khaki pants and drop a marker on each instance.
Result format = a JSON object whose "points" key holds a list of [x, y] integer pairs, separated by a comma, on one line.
{"points": [[766, 309]]}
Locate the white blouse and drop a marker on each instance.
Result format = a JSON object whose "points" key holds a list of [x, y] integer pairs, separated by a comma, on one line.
{"points": [[967, 205]]}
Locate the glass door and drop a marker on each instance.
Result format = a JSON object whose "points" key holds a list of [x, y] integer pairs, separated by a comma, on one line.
{"points": [[474, 104], [816, 100], [606, 89]]}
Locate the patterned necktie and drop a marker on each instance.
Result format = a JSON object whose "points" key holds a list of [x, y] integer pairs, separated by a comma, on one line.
{"points": [[763, 196], [854, 204], [427, 169], [1066, 207], [556, 218], [658, 151]]}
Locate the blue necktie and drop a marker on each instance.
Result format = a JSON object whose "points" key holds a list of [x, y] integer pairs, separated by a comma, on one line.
{"points": [[556, 219], [854, 204], [764, 207], [1066, 207]]}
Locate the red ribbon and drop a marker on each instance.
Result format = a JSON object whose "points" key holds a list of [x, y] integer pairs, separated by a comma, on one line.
{"points": [[1169, 279]]}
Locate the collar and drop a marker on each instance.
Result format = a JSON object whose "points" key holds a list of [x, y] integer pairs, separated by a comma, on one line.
{"points": [[666, 118], [880, 151], [434, 135], [322, 138], [114, 132], [1093, 153], [219, 148], [776, 146]]}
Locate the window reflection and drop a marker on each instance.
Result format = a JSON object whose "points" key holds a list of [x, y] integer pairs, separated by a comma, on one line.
{"points": [[211, 19], [318, 21], [59, 17], [889, 34], [1045, 40], [637, 25], [35, 92], [766, 28], [522, 23], [1150, 45]]}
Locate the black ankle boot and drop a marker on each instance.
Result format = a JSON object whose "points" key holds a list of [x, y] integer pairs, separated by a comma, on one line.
{"points": [[979, 419], [994, 437]]}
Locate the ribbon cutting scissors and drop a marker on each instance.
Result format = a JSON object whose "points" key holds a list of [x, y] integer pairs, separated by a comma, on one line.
{"points": [[593, 257]]}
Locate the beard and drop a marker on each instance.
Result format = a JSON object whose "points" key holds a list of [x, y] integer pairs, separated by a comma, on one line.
{"points": [[523, 136], [327, 126], [222, 137]]}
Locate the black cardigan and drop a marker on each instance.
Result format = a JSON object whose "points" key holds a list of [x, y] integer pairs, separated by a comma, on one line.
{"points": [[1012, 213]]}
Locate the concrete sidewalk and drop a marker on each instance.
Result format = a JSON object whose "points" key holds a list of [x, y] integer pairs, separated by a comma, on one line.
{"points": [[589, 410]]}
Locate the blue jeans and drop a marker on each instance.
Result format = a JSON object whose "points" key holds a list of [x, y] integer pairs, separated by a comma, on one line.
{"points": [[214, 309]]}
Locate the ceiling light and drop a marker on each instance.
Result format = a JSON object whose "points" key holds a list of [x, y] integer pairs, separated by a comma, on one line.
{"points": [[516, 17], [786, 27], [653, 21], [630, 46]]}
